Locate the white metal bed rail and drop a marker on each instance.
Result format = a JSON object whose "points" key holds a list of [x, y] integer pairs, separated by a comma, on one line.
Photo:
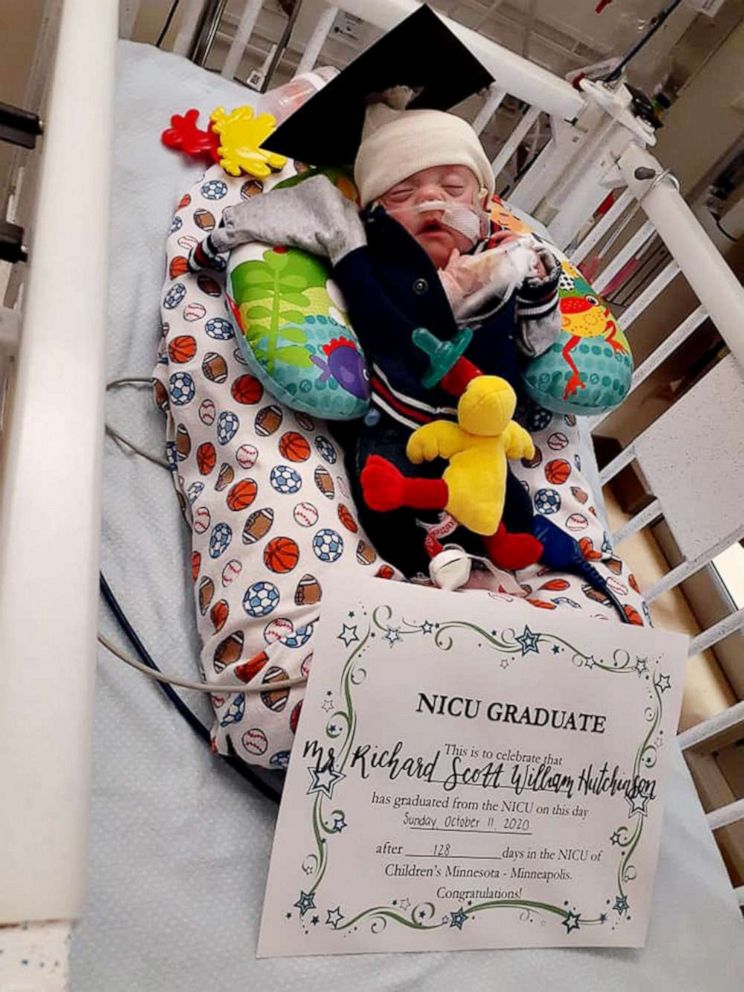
{"points": [[50, 496]]}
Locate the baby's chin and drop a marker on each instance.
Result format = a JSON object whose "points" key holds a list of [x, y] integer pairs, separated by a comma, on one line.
{"points": [[440, 244]]}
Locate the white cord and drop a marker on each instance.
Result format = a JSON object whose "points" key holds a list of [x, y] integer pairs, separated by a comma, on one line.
{"points": [[112, 432], [214, 688]]}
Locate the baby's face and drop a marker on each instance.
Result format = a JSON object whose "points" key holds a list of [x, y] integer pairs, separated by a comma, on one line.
{"points": [[451, 183]]}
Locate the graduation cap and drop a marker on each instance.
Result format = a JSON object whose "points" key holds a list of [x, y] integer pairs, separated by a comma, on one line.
{"points": [[421, 52]]}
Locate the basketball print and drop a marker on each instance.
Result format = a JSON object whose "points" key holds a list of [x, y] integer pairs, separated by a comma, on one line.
{"points": [[205, 594], [246, 455], [204, 219], [219, 614], [281, 555], [633, 615], [231, 571], [308, 591], [214, 367], [242, 494], [385, 572], [178, 266], [246, 389], [557, 471], [305, 514], [324, 482], [268, 420], [260, 599], [255, 741], [294, 447], [228, 651], [347, 518], [207, 412], [258, 525], [194, 311], [224, 477], [184, 201], [557, 441], [247, 670], [275, 699], [182, 349], [206, 457], [195, 565]]}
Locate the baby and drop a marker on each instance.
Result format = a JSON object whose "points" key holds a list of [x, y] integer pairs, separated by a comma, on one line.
{"points": [[421, 253]]}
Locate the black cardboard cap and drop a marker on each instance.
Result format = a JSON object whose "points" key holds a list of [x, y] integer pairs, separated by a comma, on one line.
{"points": [[420, 52]]}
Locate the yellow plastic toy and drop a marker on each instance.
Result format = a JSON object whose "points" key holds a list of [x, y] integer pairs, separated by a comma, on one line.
{"points": [[241, 136], [477, 448]]}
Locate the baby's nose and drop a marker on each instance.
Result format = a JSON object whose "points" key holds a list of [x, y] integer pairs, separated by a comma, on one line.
{"points": [[430, 192]]}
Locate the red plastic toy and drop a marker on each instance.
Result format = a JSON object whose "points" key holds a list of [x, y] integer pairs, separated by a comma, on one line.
{"points": [[186, 136]]}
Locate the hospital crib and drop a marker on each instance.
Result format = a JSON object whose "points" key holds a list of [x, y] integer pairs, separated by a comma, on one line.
{"points": [[52, 434]]}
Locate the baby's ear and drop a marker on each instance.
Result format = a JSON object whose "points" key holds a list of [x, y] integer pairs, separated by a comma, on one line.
{"points": [[483, 197]]}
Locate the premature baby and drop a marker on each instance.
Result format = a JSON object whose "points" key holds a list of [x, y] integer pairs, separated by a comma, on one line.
{"points": [[421, 253]]}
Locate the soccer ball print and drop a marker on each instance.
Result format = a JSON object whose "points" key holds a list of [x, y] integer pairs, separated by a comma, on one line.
{"points": [[269, 508]]}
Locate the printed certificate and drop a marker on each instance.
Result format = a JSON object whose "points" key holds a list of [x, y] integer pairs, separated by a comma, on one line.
{"points": [[470, 772]]}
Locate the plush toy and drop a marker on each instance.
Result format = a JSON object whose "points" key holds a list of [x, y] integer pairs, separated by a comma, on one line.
{"points": [[472, 488]]}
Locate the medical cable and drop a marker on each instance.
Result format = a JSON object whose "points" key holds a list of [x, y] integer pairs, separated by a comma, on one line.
{"points": [[183, 710], [214, 688]]}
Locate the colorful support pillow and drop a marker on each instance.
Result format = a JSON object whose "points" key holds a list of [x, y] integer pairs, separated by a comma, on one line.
{"points": [[295, 333], [588, 369]]}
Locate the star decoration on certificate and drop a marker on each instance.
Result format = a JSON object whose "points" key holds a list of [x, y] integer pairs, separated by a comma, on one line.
{"points": [[589, 661], [637, 805], [641, 666], [457, 919], [324, 779], [405, 903], [339, 822], [528, 641], [327, 705], [663, 683], [392, 635], [305, 902], [615, 837], [427, 627], [334, 917], [571, 922], [348, 635], [621, 905]]}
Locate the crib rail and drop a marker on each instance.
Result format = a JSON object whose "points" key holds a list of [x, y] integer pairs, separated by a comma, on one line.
{"points": [[50, 495]]}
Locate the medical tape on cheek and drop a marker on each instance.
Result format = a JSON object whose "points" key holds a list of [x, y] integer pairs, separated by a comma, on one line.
{"points": [[465, 220]]}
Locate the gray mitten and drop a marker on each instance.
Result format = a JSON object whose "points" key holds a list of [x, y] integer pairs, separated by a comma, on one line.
{"points": [[313, 216]]}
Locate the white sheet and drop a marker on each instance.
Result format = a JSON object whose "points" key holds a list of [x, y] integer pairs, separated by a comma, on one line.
{"points": [[179, 844]]}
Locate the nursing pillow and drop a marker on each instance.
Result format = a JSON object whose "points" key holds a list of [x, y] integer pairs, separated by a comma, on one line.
{"points": [[588, 369]]}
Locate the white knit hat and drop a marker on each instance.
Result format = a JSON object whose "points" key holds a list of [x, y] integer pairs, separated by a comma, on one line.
{"points": [[396, 143]]}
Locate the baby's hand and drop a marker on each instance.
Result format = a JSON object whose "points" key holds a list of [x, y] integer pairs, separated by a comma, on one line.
{"points": [[459, 278]]}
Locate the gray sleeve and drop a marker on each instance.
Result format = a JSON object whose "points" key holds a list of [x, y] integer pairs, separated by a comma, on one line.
{"points": [[313, 216]]}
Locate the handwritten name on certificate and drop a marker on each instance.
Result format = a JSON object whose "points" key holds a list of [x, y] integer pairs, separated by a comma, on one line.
{"points": [[470, 772]]}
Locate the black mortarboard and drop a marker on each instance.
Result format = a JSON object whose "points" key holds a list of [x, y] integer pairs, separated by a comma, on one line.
{"points": [[420, 52]]}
